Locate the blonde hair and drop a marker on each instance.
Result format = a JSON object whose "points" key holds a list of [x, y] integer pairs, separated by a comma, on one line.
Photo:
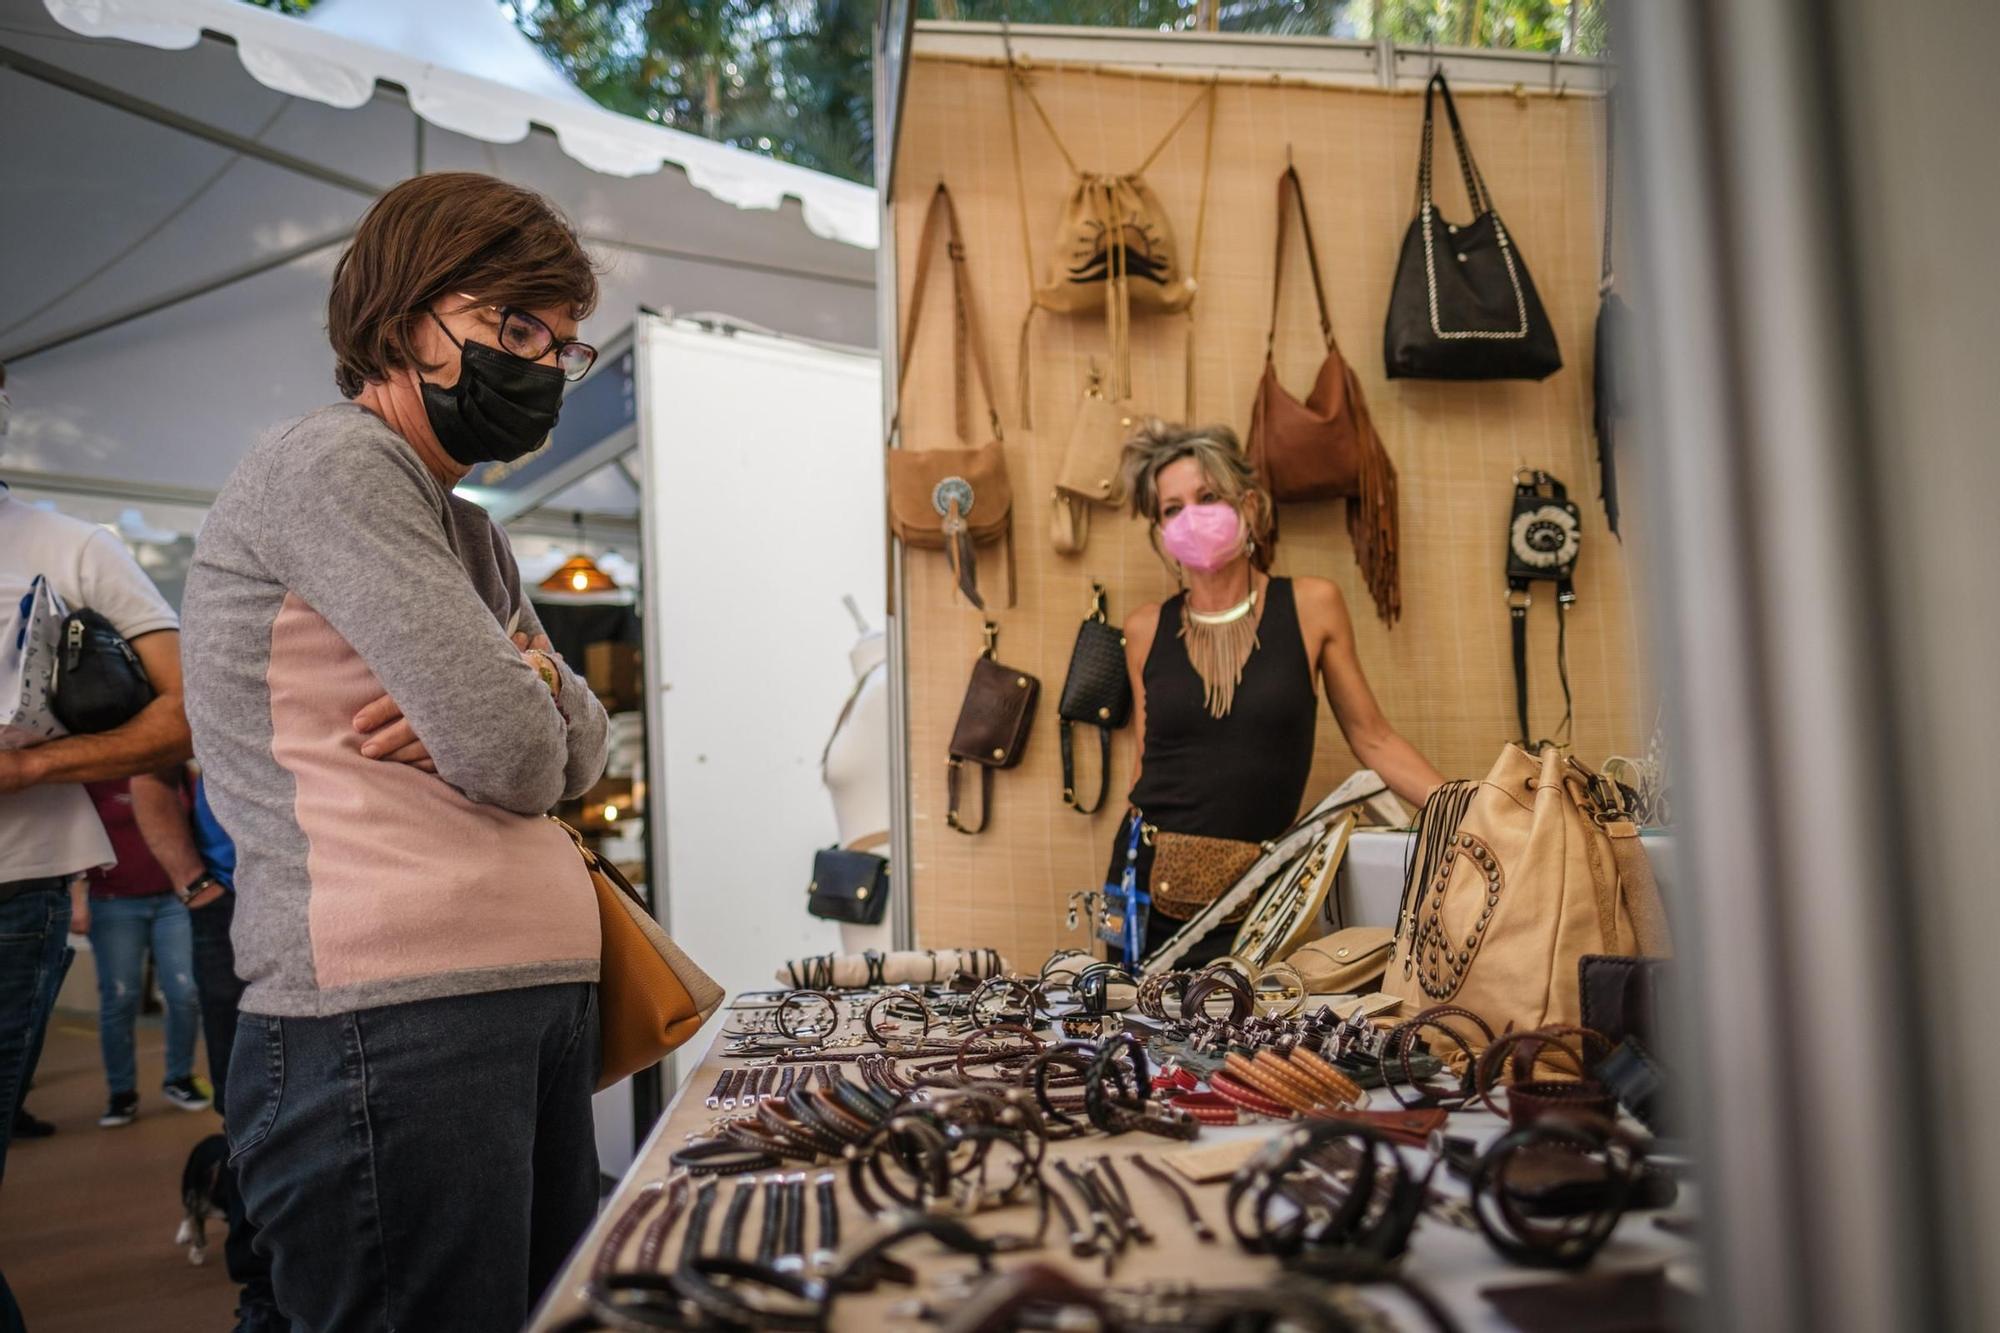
{"points": [[1158, 445]]}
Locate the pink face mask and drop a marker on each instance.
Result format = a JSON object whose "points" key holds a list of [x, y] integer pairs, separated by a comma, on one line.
{"points": [[1205, 536]]}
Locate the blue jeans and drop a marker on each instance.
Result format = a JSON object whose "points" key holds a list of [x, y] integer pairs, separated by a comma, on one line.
{"points": [[120, 931], [419, 1166]]}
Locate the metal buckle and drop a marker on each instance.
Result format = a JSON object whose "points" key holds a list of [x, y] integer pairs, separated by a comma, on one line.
{"points": [[950, 489], [1519, 600]]}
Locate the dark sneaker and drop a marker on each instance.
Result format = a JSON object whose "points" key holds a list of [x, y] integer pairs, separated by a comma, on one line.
{"points": [[183, 1093], [124, 1108], [31, 1127]]}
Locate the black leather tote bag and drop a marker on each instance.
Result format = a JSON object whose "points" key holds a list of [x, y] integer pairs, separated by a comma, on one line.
{"points": [[1463, 306]]}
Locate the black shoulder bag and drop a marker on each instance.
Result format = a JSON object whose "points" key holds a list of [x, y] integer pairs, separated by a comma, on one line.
{"points": [[1463, 306], [98, 682], [1544, 537], [850, 884], [1098, 693]]}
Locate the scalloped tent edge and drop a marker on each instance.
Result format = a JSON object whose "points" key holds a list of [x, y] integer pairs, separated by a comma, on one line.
{"points": [[311, 59]]}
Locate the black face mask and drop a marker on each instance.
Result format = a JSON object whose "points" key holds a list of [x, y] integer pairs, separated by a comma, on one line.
{"points": [[501, 408]]}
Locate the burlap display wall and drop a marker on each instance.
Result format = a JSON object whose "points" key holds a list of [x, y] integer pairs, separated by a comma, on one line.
{"points": [[1443, 674]]}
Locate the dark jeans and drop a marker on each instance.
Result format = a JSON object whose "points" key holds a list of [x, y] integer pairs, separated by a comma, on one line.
{"points": [[418, 1166], [215, 977], [34, 955]]}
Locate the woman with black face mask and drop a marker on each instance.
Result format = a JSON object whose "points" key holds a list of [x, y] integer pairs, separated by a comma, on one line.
{"points": [[381, 726]]}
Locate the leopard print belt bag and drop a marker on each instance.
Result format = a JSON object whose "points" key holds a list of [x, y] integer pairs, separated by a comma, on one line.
{"points": [[1191, 871]]}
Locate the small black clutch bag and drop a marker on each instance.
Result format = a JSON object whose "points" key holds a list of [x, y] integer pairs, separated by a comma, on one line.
{"points": [[1098, 693], [98, 682], [848, 886]]}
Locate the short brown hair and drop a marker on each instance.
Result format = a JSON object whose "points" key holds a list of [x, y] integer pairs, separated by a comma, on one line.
{"points": [[444, 232], [1157, 445]]}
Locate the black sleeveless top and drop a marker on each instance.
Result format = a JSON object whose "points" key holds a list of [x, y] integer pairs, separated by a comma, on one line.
{"points": [[1240, 776]]}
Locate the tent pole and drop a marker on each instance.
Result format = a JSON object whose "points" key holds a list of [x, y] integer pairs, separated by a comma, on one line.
{"points": [[176, 297], [58, 77]]}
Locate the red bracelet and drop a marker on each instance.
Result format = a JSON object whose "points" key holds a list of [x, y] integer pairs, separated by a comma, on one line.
{"points": [[1247, 1098], [1206, 1107]]}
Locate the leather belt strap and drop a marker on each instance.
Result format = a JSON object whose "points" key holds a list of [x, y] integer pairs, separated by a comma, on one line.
{"points": [[951, 795], [869, 842], [1518, 614], [1069, 769]]}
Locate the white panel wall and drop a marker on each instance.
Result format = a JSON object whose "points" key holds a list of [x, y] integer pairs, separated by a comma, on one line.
{"points": [[764, 506]]}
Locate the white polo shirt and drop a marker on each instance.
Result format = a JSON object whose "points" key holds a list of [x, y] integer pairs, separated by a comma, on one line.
{"points": [[54, 830]]}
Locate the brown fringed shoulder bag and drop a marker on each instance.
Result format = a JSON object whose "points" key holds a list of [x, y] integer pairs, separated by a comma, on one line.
{"points": [[1326, 447]]}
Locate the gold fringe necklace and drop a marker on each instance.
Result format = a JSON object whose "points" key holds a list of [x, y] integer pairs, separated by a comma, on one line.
{"points": [[1219, 644]]}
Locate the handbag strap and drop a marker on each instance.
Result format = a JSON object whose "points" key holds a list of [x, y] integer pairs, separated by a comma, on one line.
{"points": [[1289, 189], [965, 327], [1475, 184], [1604, 274], [951, 818], [1069, 768]]}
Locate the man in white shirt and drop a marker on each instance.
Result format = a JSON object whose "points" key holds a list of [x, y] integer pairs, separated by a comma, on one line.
{"points": [[49, 831]]}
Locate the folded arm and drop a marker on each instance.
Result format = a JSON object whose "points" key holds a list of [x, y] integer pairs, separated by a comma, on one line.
{"points": [[358, 535]]}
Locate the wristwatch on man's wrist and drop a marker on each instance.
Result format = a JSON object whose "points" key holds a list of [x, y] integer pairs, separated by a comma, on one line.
{"points": [[195, 890]]}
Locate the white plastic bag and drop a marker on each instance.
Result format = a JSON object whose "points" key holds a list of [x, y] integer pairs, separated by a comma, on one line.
{"points": [[30, 632]]}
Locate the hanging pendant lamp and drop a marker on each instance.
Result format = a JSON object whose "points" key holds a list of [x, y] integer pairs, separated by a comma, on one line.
{"points": [[579, 573]]}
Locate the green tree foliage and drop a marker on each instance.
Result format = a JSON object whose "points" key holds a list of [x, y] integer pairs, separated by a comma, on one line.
{"points": [[791, 78]]}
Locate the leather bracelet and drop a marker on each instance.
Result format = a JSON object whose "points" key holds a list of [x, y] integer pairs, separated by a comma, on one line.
{"points": [[679, 1190], [1566, 1242], [628, 1222], [1317, 1068], [1513, 1057], [1035, 1043], [1194, 1001], [715, 1158], [1287, 1084], [728, 1303], [802, 999], [1402, 1041], [1244, 1071], [1529, 1102], [1203, 1232], [1245, 1098], [697, 1227], [1093, 987], [895, 997], [729, 1240], [1210, 1108]]}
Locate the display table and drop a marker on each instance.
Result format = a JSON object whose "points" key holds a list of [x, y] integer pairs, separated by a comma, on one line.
{"points": [[1454, 1264]]}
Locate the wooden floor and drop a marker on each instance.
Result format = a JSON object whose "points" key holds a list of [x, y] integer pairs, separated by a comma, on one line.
{"points": [[87, 1217]]}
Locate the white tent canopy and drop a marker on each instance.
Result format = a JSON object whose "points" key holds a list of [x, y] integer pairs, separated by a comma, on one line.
{"points": [[171, 216]]}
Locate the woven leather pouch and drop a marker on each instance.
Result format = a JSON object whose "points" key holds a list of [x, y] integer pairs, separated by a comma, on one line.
{"points": [[992, 729], [1097, 692], [1191, 871]]}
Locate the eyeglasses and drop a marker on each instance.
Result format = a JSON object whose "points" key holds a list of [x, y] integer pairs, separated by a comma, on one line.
{"points": [[525, 336]]}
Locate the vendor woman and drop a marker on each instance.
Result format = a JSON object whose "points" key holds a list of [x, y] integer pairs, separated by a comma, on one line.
{"points": [[1223, 671]]}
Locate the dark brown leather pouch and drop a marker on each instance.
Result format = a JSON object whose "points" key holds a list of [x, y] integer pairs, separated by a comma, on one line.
{"points": [[992, 730]]}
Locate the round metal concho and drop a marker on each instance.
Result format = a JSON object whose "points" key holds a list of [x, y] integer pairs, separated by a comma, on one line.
{"points": [[1442, 959], [952, 488]]}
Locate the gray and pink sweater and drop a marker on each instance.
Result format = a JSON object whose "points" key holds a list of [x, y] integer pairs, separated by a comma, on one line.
{"points": [[332, 569]]}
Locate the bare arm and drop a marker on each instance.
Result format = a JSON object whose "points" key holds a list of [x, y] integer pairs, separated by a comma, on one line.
{"points": [[1376, 743], [1140, 627], [156, 738], [162, 818]]}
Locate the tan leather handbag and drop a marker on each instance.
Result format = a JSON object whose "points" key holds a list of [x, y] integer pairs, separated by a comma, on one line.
{"points": [[1515, 879], [951, 500], [1115, 248], [1089, 474], [1326, 447], [1346, 962], [651, 997]]}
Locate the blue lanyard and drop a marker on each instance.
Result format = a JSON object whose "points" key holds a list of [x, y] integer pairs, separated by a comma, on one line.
{"points": [[1136, 903]]}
